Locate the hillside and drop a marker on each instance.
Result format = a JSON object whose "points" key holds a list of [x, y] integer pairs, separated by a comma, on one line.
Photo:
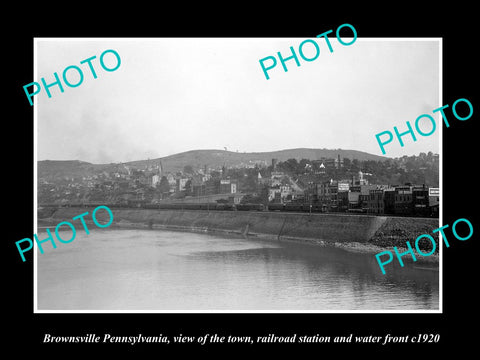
{"points": [[48, 169], [77, 181], [214, 159], [217, 158]]}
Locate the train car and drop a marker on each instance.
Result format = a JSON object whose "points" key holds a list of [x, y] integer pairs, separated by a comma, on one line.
{"points": [[167, 206], [276, 207], [208, 206], [317, 208], [250, 207], [190, 206], [296, 207], [225, 207]]}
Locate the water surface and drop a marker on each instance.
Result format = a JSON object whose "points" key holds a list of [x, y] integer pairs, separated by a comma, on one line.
{"points": [[165, 270]]}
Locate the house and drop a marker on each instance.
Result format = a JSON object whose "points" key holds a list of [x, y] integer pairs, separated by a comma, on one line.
{"points": [[286, 192], [181, 183], [276, 178], [155, 180], [172, 182], [274, 194]]}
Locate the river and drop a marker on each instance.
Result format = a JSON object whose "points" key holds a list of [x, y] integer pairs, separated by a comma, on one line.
{"points": [[120, 269]]}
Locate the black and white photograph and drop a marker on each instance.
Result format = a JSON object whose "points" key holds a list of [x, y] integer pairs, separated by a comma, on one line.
{"points": [[293, 182], [229, 191]]}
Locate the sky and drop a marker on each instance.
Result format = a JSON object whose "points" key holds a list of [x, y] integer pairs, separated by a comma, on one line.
{"points": [[171, 95]]}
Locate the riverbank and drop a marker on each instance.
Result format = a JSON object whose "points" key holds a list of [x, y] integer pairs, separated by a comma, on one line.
{"points": [[360, 233]]}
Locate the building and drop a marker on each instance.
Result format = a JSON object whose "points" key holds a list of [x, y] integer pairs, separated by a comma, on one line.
{"points": [[172, 182], [199, 187], [181, 183], [434, 201], [311, 192], [327, 195], [360, 195], [276, 178], [212, 186], [274, 194], [155, 180], [329, 163], [361, 180], [286, 193], [321, 169], [375, 202], [228, 186], [317, 166], [403, 200], [343, 185], [389, 201], [421, 206], [343, 200]]}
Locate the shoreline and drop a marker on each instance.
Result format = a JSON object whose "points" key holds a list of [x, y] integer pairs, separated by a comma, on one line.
{"points": [[352, 247]]}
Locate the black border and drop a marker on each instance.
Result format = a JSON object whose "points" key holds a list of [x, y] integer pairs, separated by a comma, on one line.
{"points": [[455, 24]]}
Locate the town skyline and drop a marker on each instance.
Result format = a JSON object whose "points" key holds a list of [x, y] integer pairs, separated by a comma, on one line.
{"points": [[262, 153], [332, 183]]}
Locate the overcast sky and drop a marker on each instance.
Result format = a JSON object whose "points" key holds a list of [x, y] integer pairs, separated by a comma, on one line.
{"points": [[171, 95]]}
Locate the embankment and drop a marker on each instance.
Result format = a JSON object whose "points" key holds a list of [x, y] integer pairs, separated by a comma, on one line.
{"points": [[338, 229]]}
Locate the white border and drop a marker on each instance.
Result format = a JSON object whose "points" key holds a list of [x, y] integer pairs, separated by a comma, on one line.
{"points": [[35, 176], [35, 205]]}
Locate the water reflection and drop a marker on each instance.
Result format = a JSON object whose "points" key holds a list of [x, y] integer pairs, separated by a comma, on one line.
{"points": [[162, 270]]}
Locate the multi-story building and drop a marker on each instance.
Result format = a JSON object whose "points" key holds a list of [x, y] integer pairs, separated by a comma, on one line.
{"points": [[360, 196], [311, 192], [343, 200], [420, 201], [376, 203], [354, 200], [327, 195], [403, 200], [389, 201]]}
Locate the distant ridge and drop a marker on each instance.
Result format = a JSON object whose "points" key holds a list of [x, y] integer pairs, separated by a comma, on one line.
{"points": [[199, 158], [216, 158]]}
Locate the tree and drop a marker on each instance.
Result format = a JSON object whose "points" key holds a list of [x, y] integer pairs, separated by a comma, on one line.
{"points": [[163, 186], [188, 187], [290, 166], [249, 183], [188, 169], [355, 165]]}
